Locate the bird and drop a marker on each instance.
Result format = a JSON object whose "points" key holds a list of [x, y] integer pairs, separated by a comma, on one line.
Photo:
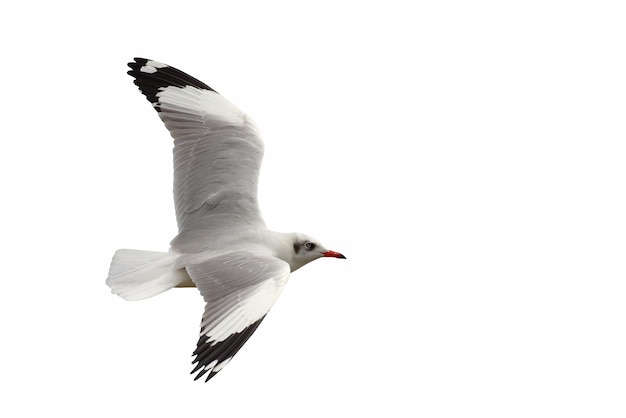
{"points": [[223, 247]]}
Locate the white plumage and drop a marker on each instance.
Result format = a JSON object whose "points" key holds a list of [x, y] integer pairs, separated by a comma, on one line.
{"points": [[222, 247]]}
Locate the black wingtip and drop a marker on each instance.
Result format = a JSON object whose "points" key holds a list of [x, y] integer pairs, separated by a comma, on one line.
{"points": [[153, 76], [207, 353], [138, 62], [135, 66]]}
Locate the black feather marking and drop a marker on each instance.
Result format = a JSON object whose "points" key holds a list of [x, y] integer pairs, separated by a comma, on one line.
{"points": [[206, 353], [151, 83]]}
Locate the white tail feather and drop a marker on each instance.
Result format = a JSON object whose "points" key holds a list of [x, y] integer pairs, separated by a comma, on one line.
{"points": [[136, 274]]}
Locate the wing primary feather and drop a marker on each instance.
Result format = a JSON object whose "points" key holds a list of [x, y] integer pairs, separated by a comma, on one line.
{"points": [[150, 83], [207, 353]]}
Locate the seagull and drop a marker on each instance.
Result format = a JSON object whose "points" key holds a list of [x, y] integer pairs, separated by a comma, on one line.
{"points": [[223, 247]]}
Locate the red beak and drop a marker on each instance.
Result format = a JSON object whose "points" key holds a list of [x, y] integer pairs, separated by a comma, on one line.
{"points": [[333, 254]]}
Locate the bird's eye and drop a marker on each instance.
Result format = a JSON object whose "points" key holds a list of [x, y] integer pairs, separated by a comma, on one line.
{"points": [[309, 245]]}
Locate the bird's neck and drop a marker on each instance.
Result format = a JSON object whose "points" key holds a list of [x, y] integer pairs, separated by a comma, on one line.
{"points": [[282, 246]]}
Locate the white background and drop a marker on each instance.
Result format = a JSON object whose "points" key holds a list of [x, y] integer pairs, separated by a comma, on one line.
{"points": [[467, 157]]}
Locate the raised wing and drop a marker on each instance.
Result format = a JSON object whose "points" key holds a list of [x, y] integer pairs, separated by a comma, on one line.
{"points": [[217, 154], [239, 289]]}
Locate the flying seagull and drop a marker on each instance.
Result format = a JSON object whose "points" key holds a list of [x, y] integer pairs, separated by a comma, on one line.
{"points": [[223, 246]]}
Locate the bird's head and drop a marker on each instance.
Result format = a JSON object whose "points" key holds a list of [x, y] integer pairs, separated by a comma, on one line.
{"points": [[306, 249]]}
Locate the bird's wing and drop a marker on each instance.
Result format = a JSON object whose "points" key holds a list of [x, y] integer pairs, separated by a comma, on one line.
{"points": [[239, 288], [217, 153]]}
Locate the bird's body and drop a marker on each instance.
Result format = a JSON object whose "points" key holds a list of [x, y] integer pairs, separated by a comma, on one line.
{"points": [[223, 246]]}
